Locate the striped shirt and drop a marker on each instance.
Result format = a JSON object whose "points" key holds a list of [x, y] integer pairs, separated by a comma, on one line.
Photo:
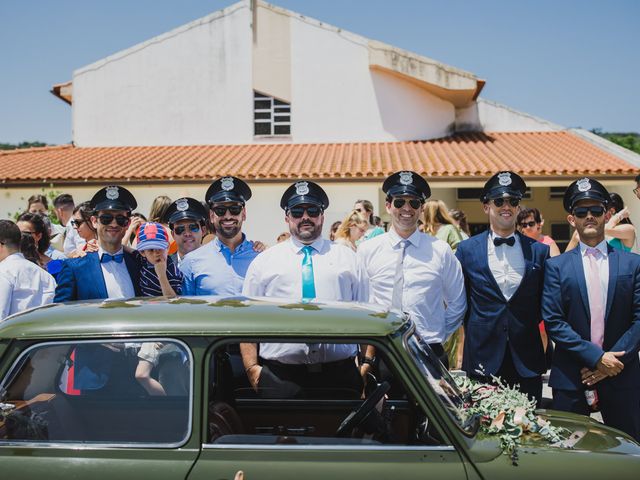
{"points": [[149, 283]]}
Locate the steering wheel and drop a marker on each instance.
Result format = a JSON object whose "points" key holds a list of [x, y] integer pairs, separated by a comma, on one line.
{"points": [[356, 417]]}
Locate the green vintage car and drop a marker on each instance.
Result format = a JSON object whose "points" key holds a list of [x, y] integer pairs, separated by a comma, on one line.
{"points": [[156, 389]]}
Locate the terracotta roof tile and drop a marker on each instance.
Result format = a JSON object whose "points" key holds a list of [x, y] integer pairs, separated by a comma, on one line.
{"points": [[471, 154]]}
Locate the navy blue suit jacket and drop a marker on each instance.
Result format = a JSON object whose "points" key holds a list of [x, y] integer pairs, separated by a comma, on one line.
{"points": [[565, 308], [82, 279], [491, 321]]}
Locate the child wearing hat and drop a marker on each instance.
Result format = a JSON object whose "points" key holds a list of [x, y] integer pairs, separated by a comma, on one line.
{"points": [[158, 274]]}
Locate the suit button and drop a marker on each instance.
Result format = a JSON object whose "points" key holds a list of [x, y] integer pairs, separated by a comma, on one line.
{"points": [[504, 329]]}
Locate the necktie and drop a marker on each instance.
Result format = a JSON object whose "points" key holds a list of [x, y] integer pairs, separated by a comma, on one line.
{"points": [[308, 283], [106, 258], [398, 280], [497, 241], [596, 303]]}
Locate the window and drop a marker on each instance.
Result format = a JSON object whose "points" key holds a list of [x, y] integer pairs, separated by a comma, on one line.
{"points": [[312, 404], [95, 392], [557, 192], [476, 193], [270, 116], [561, 233]]}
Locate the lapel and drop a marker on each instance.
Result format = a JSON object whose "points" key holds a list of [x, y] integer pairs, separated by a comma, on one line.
{"points": [[483, 252], [614, 259], [576, 261], [527, 253], [95, 276]]}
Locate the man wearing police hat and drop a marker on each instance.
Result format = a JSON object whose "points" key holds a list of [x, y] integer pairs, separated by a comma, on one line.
{"points": [[410, 271], [186, 218], [110, 272], [219, 267], [304, 268], [504, 272], [591, 309]]}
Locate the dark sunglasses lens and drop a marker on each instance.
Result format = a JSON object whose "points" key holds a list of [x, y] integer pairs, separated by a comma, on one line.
{"points": [[179, 230], [219, 211], [414, 203], [498, 202], [313, 211], [235, 209], [514, 202], [105, 219], [582, 212], [194, 227], [399, 202], [296, 212], [528, 224]]}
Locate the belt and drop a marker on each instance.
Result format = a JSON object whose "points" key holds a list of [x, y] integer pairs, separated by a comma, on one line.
{"points": [[313, 367]]}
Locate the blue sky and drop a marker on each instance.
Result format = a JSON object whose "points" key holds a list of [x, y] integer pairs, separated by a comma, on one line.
{"points": [[572, 62]]}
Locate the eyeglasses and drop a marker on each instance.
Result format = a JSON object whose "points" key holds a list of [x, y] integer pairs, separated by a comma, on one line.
{"points": [[233, 209], [28, 232], [298, 212], [76, 223], [582, 212], [180, 229], [499, 202], [107, 218], [528, 224], [413, 203]]}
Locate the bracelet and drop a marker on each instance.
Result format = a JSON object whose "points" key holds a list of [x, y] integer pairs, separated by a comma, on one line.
{"points": [[368, 361], [246, 370]]}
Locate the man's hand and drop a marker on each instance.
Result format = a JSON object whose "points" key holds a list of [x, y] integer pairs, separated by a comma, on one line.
{"points": [[253, 373], [258, 246], [591, 377], [609, 364]]}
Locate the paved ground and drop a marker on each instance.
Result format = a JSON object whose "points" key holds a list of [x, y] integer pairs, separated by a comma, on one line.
{"points": [[546, 394]]}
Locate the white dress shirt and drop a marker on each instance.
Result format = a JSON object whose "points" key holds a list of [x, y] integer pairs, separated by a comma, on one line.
{"points": [[506, 264], [72, 239], [23, 285], [116, 277], [277, 272], [433, 292], [603, 264]]}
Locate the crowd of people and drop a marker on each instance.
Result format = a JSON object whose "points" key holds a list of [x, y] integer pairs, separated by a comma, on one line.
{"points": [[492, 304]]}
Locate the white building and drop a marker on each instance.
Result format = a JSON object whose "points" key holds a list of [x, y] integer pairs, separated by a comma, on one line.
{"points": [[270, 95]]}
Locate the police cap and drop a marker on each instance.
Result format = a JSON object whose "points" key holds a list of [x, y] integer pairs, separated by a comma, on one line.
{"points": [[113, 197], [503, 184], [304, 191], [585, 188], [185, 209], [406, 183], [228, 189]]}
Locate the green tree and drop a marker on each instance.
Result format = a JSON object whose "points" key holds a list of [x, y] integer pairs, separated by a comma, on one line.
{"points": [[629, 140], [14, 146]]}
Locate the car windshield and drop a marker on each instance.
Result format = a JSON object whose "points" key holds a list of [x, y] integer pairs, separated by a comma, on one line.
{"points": [[440, 381]]}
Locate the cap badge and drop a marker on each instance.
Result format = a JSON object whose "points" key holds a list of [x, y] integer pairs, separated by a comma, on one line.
{"points": [[302, 188], [112, 193], [504, 179], [227, 183], [584, 185], [406, 178], [182, 205]]}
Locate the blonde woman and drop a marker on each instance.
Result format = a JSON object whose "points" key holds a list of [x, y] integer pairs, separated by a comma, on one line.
{"points": [[352, 229], [439, 223]]}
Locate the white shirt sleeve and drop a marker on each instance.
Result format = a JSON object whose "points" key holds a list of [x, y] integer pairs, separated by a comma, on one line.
{"points": [[454, 293], [5, 297], [252, 286]]}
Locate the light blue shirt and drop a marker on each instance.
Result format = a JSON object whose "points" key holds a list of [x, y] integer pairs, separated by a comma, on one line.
{"points": [[213, 270]]}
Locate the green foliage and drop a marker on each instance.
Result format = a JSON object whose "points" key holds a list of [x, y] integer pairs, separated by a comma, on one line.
{"points": [[14, 146], [50, 194], [630, 141]]}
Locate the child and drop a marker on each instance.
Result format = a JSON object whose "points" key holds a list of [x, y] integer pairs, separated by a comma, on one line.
{"points": [[158, 274]]}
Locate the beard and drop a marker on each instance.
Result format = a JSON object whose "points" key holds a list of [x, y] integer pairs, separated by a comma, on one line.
{"points": [[228, 232], [306, 235]]}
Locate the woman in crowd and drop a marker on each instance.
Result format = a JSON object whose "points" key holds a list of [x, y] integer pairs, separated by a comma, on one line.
{"points": [[28, 248], [438, 222], [620, 232], [130, 235], [33, 224], [81, 221], [365, 208], [530, 223], [334, 229], [460, 221], [38, 204], [352, 229]]}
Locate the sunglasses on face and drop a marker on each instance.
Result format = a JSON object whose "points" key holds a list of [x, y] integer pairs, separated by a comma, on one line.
{"points": [[413, 203], [528, 224], [499, 202], [107, 218], [298, 212], [582, 212], [76, 223], [233, 209], [180, 229]]}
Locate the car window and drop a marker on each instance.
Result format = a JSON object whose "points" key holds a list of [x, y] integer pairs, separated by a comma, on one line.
{"points": [[326, 403], [115, 392]]}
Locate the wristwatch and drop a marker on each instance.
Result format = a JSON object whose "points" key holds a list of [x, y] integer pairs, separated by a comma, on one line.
{"points": [[369, 361]]}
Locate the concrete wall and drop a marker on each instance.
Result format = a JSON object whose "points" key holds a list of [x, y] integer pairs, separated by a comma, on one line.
{"points": [[494, 117], [189, 86]]}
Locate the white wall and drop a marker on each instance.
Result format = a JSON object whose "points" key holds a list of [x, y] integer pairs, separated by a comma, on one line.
{"points": [[188, 86], [494, 117]]}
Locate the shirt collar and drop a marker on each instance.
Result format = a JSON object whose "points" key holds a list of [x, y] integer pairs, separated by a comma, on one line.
{"points": [[13, 256], [297, 245], [413, 239], [101, 251], [221, 246], [602, 246]]}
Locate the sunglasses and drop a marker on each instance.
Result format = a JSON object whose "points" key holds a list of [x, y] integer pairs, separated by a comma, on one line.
{"points": [[107, 218], [233, 209], [76, 223], [413, 203], [499, 202], [298, 212], [582, 212], [528, 224], [180, 229]]}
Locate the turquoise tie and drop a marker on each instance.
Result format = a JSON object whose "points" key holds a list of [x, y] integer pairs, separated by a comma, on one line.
{"points": [[308, 284]]}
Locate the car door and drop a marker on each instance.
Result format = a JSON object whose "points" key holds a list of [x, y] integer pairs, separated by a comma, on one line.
{"points": [[77, 409], [296, 438]]}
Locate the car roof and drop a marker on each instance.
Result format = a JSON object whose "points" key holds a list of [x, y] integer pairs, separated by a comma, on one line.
{"points": [[203, 316]]}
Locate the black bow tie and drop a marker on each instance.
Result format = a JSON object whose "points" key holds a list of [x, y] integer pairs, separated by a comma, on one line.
{"points": [[509, 241]]}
